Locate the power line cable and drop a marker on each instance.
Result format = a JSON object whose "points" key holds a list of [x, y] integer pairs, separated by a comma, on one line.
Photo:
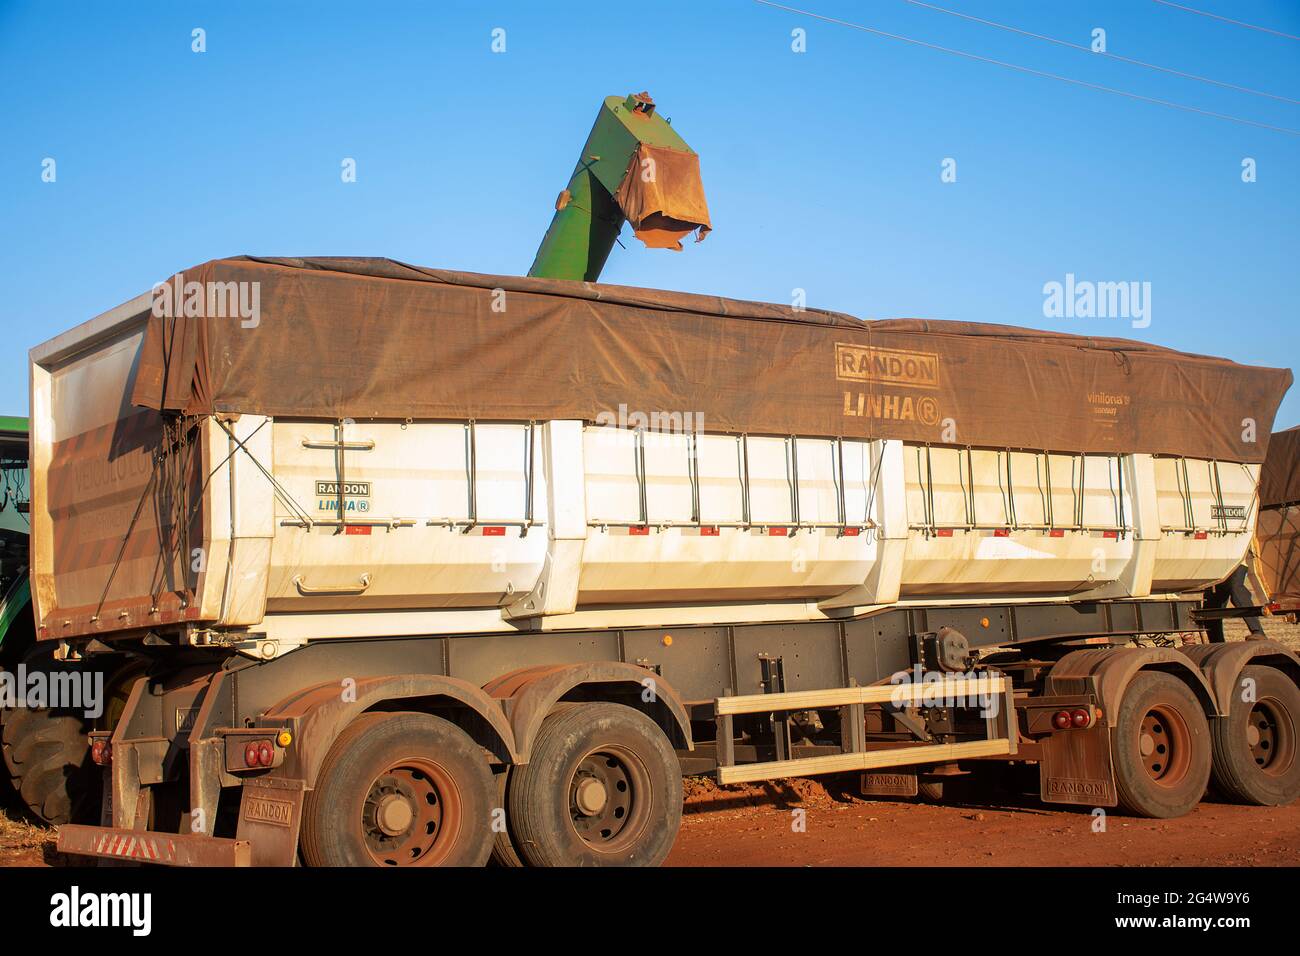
{"points": [[1240, 23], [1024, 69], [1091, 51]]}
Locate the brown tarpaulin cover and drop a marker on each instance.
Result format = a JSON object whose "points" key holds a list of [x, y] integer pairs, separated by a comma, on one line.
{"points": [[664, 200], [1279, 480], [1278, 532], [374, 338]]}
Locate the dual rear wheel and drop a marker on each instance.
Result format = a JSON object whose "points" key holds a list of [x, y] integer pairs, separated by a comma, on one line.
{"points": [[602, 788], [1167, 752]]}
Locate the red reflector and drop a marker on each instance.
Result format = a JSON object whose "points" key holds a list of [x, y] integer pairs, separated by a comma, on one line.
{"points": [[1062, 719], [250, 755], [639, 529], [1202, 535], [776, 532], [494, 531], [943, 532], [1056, 533], [1110, 534], [852, 532], [1079, 718], [101, 752], [357, 529], [265, 753], [709, 531], [1001, 532]]}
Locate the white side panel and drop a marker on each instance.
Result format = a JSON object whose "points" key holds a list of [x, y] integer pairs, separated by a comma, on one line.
{"points": [[759, 518], [996, 523], [1207, 516], [417, 532]]}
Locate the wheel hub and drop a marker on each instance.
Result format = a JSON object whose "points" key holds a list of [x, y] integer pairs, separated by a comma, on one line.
{"points": [[394, 814], [410, 814], [1262, 736], [1164, 746], [603, 797], [591, 796]]}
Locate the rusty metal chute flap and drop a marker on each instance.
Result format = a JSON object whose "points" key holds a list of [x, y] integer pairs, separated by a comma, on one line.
{"points": [[662, 197]]}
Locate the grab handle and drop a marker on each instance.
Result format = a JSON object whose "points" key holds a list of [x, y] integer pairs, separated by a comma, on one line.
{"points": [[357, 588]]}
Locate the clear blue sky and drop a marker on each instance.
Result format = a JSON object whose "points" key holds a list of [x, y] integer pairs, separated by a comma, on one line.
{"points": [[822, 168]]}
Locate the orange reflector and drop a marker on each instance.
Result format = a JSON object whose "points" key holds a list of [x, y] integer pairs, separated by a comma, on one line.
{"points": [[357, 529], [639, 529], [668, 640], [776, 532], [1056, 533], [852, 532], [943, 532], [1110, 534], [1201, 535], [1001, 532], [709, 531], [494, 531]]}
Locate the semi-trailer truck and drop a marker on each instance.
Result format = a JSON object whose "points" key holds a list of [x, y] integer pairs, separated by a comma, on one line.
{"points": [[417, 577]]}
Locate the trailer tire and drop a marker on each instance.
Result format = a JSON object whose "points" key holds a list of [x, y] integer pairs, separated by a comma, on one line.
{"points": [[1255, 759], [400, 789], [503, 846], [608, 770], [1162, 747]]}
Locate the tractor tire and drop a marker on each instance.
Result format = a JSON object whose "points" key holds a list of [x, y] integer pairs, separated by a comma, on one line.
{"points": [[48, 760]]}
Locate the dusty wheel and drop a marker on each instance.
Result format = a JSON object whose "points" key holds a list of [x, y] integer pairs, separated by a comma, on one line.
{"points": [[1162, 747], [503, 846], [400, 790], [602, 788], [1255, 745]]}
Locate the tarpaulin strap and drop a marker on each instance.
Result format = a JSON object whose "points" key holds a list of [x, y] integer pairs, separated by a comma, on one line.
{"points": [[281, 492]]}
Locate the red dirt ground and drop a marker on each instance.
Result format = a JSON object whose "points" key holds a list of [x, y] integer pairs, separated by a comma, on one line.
{"points": [[753, 826]]}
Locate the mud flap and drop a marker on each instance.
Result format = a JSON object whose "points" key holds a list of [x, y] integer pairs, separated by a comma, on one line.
{"points": [[1076, 768], [886, 784], [270, 817]]}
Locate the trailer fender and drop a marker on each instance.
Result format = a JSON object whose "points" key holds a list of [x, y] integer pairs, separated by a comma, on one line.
{"points": [[1109, 670], [531, 692], [1222, 665], [322, 712]]}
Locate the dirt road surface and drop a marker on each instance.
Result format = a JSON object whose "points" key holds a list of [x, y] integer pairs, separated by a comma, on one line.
{"points": [[760, 828]]}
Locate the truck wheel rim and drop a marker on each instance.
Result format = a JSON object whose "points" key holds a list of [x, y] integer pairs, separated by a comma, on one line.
{"points": [[1164, 746], [411, 814], [1270, 736], [609, 799]]}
